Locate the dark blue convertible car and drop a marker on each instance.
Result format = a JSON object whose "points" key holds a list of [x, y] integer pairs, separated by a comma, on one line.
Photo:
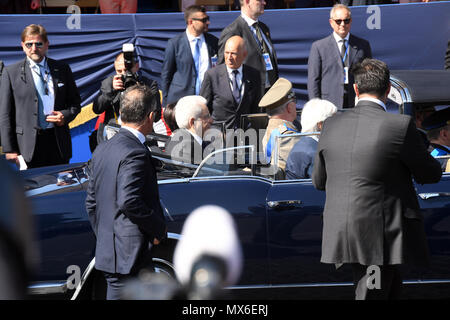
{"points": [[279, 222]]}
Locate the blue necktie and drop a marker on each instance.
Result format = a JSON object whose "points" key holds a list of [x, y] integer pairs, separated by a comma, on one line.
{"points": [[236, 91], [197, 65], [41, 91]]}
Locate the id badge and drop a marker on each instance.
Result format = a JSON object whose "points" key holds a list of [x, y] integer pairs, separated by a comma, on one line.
{"points": [[213, 61], [346, 75], [267, 61]]}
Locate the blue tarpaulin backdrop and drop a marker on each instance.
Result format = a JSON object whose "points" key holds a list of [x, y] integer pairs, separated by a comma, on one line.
{"points": [[408, 36]]}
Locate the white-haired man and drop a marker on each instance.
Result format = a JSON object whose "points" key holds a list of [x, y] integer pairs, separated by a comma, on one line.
{"points": [[300, 162], [193, 119]]}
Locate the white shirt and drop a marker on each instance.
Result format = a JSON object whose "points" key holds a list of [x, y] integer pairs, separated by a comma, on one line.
{"points": [[239, 78], [204, 55], [338, 40], [136, 133], [379, 102]]}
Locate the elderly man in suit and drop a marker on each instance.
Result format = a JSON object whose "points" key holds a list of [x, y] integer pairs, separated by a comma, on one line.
{"points": [[299, 164], [38, 99], [188, 56], [233, 88], [261, 52], [193, 119], [331, 58], [122, 196], [365, 161]]}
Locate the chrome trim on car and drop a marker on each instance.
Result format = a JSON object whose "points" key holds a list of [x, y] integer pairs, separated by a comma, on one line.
{"points": [[336, 284], [84, 278], [42, 287], [173, 236]]}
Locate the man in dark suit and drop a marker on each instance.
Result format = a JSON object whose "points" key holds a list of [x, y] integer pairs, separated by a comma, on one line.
{"points": [[365, 161], [122, 197], [261, 52], [331, 58], [39, 98], [188, 56], [108, 99], [299, 164], [193, 119], [233, 88]]}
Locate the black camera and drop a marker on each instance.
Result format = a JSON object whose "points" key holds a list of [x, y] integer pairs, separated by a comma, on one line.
{"points": [[129, 78]]}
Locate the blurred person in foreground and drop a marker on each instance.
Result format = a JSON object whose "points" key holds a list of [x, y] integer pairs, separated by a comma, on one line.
{"points": [[366, 160], [122, 197]]}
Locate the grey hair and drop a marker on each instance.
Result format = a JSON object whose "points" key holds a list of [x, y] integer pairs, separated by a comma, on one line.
{"points": [[278, 110], [315, 111], [339, 6], [188, 107]]}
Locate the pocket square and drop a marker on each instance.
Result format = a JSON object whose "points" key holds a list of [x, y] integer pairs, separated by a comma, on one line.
{"points": [[60, 84]]}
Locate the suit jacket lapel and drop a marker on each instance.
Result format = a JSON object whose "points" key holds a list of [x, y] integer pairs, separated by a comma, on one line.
{"points": [[334, 49], [248, 31], [188, 51], [352, 50], [54, 72], [225, 82]]}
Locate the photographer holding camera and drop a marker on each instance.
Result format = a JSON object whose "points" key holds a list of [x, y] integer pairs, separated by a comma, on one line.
{"points": [[107, 103]]}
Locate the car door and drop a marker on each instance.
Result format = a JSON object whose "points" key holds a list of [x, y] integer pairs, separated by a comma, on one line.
{"points": [[434, 200], [244, 196]]}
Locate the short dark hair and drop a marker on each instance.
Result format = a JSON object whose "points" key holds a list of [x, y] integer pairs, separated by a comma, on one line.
{"points": [[191, 10], [371, 76], [137, 103]]}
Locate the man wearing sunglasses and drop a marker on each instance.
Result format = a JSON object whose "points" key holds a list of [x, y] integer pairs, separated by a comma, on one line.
{"points": [[331, 58], [38, 99], [188, 56]]}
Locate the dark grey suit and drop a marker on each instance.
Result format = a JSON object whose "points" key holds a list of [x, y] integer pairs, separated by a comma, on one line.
{"points": [[326, 71], [19, 108], [178, 74], [254, 58], [217, 91], [365, 162], [123, 204]]}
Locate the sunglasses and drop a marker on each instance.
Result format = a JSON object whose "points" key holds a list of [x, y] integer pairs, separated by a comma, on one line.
{"points": [[204, 20], [37, 44], [339, 21]]}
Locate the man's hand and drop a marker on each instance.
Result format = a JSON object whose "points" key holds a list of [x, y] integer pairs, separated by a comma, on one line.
{"points": [[14, 158], [117, 82], [56, 117]]}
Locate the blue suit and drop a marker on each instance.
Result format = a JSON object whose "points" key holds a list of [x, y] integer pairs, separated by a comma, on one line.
{"points": [[300, 162], [178, 74], [123, 204]]}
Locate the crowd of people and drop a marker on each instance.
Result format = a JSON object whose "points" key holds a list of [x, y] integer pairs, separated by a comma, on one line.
{"points": [[204, 81]]}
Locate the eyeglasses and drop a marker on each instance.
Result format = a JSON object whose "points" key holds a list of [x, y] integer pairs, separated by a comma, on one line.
{"points": [[37, 44], [204, 20], [339, 21]]}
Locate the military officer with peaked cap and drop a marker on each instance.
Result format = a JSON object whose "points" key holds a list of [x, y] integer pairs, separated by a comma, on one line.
{"points": [[281, 107]]}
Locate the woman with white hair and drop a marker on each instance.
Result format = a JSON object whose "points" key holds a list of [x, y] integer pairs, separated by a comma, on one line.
{"points": [[301, 158]]}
